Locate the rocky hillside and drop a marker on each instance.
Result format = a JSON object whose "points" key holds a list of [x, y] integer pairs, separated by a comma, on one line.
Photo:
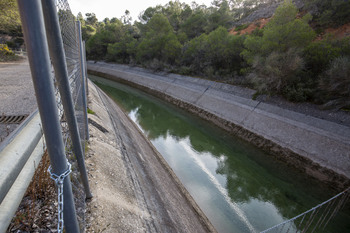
{"points": [[262, 15], [265, 11]]}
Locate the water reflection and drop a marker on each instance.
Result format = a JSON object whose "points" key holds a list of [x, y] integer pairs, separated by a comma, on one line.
{"points": [[240, 188]]}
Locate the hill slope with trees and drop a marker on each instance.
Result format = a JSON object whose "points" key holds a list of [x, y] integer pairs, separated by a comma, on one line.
{"points": [[282, 58], [290, 55]]}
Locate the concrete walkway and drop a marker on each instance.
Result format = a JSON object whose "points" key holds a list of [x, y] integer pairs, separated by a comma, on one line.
{"points": [[318, 147]]}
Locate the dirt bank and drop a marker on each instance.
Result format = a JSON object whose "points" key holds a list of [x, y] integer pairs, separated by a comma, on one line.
{"points": [[134, 188], [317, 147]]}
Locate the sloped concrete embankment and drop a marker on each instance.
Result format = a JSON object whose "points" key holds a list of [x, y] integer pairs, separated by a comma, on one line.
{"points": [[134, 188], [317, 147]]}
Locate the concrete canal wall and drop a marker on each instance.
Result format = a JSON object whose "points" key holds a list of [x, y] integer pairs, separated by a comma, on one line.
{"points": [[317, 147]]}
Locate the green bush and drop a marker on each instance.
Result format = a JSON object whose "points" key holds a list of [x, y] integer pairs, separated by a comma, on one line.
{"points": [[276, 72], [319, 54], [299, 92], [218, 50], [7, 54], [184, 70], [11, 44], [241, 27], [336, 83], [330, 13], [159, 42]]}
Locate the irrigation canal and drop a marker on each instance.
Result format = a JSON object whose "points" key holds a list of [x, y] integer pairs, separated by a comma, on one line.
{"points": [[239, 187]]}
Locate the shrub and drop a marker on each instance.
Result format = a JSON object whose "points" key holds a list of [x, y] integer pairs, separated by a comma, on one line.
{"points": [[274, 73], [11, 44], [7, 54], [336, 83], [298, 92], [283, 32], [319, 54], [160, 42], [241, 27], [4, 50], [184, 70]]}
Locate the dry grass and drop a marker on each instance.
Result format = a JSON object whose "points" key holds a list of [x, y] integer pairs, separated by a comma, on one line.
{"points": [[37, 211]]}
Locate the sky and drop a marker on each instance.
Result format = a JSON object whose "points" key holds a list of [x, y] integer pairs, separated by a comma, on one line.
{"points": [[115, 8]]}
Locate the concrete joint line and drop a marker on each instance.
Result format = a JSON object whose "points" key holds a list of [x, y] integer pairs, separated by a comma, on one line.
{"points": [[196, 102]]}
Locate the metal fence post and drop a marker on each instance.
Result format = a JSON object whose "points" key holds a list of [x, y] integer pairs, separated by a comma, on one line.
{"points": [[81, 55], [86, 75], [58, 59], [34, 35]]}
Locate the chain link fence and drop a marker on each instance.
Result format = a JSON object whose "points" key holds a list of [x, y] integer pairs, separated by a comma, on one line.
{"points": [[72, 42], [315, 219], [57, 62]]}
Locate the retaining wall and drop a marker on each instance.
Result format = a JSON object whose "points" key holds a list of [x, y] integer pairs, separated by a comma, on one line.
{"points": [[317, 147]]}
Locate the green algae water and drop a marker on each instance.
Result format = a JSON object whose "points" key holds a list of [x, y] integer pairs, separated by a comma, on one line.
{"points": [[239, 187]]}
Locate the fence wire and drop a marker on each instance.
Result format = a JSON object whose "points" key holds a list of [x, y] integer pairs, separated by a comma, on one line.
{"points": [[315, 219], [71, 43]]}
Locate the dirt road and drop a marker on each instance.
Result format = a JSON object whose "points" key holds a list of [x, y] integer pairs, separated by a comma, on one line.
{"points": [[17, 96]]}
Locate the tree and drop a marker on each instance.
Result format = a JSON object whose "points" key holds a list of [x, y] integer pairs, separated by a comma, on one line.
{"points": [[223, 50], [146, 15], [336, 82], [91, 19], [10, 22], [122, 51], [319, 54], [87, 32], [193, 54], [194, 25], [283, 32], [126, 18], [159, 41], [81, 18], [219, 16], [276, 56], [172, 10], [218, 52], [329, 13], [97, 44], [276, 72]]}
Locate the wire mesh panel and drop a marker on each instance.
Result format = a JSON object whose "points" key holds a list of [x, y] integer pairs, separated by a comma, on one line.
{"points": [[72, 43], [316, 219]]}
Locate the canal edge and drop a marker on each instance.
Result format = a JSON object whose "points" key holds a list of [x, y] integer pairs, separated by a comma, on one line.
{"points": [[204, 221], [299, 160]]}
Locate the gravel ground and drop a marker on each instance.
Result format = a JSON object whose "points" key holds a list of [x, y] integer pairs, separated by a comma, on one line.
{"points": [[16, 89], [16, 93], [337, 116]]}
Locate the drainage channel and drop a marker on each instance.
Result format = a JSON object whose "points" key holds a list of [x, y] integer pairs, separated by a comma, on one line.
{"points": [[12, 119]]}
